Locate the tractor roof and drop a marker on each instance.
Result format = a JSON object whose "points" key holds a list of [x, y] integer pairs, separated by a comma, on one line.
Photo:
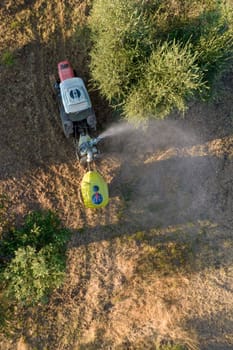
{"points": [[74, 95]]}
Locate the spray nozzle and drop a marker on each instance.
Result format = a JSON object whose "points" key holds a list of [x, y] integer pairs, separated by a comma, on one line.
{"points": [[96, 140]]}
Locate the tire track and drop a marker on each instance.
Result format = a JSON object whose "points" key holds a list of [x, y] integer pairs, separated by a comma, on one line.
{"points": [[94, 290], [39, 72], [62, 42], [34, 120]]}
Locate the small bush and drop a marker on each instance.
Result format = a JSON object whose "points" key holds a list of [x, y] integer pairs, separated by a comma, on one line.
{"points": [[7, 58], [39, 230], [32, 275], [35, 258]]}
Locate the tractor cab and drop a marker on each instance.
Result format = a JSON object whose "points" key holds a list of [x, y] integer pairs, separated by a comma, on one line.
{"points": [[75, 99], [75, 106]]}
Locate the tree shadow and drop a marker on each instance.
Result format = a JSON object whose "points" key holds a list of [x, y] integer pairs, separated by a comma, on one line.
{"points": [[187, 29], [14, 8], [213, 334]]}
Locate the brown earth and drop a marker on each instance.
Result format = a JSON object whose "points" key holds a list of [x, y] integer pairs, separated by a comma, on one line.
{"points": [[156, 265]]}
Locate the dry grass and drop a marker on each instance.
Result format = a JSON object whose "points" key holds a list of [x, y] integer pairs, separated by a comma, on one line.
{"points": [[154, 268]]}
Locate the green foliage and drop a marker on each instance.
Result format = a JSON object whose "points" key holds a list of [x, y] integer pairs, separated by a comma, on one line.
{"points": [[39, 230], [34, 258], [170, 77], [15, 24], [7, 58], [215, 53], [32, 275], [119, 48], [158, 54]]}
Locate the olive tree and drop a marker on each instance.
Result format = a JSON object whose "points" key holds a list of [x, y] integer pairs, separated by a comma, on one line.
{"points": [[150, 57]]}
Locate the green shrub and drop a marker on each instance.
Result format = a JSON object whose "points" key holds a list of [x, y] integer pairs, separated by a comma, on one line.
{"points": [[34, 258], [39, 230], [7, 58], [32, 275]]}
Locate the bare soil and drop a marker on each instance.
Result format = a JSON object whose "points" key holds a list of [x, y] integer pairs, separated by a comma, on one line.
{"points": [[155, 265]]}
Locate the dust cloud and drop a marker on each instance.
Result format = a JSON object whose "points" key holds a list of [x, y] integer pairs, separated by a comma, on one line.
{"points": [[166, 176]]}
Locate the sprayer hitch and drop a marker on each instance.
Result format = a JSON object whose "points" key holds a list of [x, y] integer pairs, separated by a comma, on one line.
{"points": [[86, 148]]}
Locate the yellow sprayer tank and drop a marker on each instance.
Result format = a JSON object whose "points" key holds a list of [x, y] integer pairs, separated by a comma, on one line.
{"points": [[94, 190]]}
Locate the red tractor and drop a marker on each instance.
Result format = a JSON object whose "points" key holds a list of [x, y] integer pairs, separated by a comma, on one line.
{"points": [[76, 112]]}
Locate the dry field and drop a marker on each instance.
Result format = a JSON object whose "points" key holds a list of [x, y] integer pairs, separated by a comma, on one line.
{"points": [[155, 266]]}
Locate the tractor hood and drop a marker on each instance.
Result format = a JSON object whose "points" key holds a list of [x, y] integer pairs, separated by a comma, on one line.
{"points": [[74, 95]]}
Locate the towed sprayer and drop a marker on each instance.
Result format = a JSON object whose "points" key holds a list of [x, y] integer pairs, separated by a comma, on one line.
{"points": [[94, 189]]}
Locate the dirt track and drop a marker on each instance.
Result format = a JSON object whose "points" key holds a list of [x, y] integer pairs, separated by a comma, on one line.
{"points": [[175, 178]]}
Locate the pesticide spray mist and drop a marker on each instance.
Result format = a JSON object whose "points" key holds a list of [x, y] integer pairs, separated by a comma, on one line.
{"points": [[117, 129]]}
